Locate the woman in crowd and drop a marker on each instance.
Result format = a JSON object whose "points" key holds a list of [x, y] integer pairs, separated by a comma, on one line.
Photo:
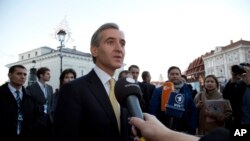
{"points": [[213, 109], [66, 76]]}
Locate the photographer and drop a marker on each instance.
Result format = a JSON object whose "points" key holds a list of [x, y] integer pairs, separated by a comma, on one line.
{"points": [[237, 91]]}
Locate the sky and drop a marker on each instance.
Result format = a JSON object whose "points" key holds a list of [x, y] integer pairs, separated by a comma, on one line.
{"points": [[158, 33]]}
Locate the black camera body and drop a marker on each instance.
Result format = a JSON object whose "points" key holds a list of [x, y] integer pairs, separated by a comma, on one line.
{"points": [[239, 69]]}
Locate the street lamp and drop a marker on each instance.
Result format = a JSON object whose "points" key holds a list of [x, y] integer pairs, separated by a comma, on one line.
{"points": [[61, 37], [32, 77]]}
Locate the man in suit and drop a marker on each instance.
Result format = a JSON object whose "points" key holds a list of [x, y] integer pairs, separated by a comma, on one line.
{"points": [[84, 110], [134, 70], [43, 94], [193, 91], [19, 112], [147, 88]]}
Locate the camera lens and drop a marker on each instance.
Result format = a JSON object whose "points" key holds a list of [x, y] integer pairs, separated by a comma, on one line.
{"points": [[245, 64]]}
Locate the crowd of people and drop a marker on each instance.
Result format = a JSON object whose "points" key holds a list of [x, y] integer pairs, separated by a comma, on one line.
{"points": [[83, 107]]}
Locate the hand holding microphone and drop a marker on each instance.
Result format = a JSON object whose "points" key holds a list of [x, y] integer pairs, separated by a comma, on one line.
{"points": [[153, 130], [128, 93]]}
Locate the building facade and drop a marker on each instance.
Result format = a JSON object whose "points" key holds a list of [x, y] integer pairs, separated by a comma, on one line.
{"points": [[219, 61], [195, 70], [47, 57]]}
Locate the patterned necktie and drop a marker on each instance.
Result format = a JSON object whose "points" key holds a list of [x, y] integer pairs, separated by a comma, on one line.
{"points": [[46, 99], [114, 101], [19, 112]]}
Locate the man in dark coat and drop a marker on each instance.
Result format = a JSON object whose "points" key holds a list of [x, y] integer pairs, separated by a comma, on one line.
{"points": [[20, 115], [84, 110]]}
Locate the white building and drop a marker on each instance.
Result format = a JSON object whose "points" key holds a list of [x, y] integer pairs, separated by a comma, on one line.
{"points": [[47, 57], [219, 61]]}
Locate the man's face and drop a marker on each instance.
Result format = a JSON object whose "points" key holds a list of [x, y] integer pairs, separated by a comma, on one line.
{"points": [[246, 76], [174, 76], [148, 79], [111, 51], [46, 76], [135, 73], [236, 77], [18, 77]]}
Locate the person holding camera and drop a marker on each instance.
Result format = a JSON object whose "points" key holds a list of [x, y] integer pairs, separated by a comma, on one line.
{"points": [[237, 91]]}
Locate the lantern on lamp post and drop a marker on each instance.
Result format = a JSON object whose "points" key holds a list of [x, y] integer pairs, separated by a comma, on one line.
{"points": [[32, 76], [61, 37]]}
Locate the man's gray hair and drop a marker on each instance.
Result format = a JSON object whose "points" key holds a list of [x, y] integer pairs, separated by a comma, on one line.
{"points": [[96, 37]]}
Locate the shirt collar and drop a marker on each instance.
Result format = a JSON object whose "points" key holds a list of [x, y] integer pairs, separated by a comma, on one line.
{"points": [[13, 90], [41, 84], [104, 77]]}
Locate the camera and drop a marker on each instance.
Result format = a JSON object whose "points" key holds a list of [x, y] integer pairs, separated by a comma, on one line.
{"points": [[239, 69]]}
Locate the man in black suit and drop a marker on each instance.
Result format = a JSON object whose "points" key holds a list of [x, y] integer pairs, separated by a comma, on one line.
{"points": [[193, 91], [134, 70], [43, 94], [84, 110], [20, 115], [147, 88]]}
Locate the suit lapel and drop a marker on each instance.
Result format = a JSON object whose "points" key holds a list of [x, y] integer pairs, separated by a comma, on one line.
{"points": [[49, 96], [101, 95], [39, 92], [8, 94]]}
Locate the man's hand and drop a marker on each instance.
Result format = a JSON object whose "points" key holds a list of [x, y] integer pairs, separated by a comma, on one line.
{"points": [[246, 76]]}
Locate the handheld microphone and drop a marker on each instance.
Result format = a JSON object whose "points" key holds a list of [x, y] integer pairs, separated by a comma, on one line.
{"points": [[168, 88], [128, 94]]}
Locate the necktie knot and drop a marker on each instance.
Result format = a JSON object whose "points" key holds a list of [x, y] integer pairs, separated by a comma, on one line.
{"points": [[112, 84], [18, 98]]}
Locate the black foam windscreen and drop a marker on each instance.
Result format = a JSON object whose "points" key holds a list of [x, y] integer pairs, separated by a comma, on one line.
{"points": [[125, 87]]}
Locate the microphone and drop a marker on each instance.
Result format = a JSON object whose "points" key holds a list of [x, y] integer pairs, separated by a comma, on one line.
{"points": [[128, 94], [168, 88]]}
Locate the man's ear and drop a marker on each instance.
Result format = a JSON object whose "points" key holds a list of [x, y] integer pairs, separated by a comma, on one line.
{"points": [[94, 51]]}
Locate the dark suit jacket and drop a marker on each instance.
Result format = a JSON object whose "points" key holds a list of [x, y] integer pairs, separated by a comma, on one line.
{"points": [[147, 91], [84, 112], [32, 114], [45, 131], [37, 93]]}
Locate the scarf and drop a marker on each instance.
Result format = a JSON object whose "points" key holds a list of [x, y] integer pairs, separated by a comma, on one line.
{"points": [[177, 87], [213, 94]]}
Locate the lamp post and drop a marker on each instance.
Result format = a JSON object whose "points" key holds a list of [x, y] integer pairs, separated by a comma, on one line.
{"points": [[32, 77], [61, 37]]}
